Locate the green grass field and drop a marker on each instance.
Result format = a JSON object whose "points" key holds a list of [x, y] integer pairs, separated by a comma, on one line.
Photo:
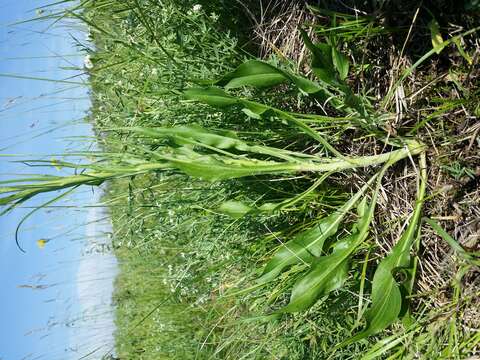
{"points": [[287, 181]]}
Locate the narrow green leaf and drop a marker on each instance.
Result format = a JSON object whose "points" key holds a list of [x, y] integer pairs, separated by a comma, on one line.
{"points": [[256, 109], [211, 96], [450, 240], [261, 74], [437, 39], [196, 135], [341, 63], [461, 50], [308, 87], [214, 167], [327, 274], [237, 209]]}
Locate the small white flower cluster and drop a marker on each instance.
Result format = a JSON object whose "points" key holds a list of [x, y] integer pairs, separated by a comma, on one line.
{"points": [[200, 300], [195, 9], [89, 36], [87, 62]]}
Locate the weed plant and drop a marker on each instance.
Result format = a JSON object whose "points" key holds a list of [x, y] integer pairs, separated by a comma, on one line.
{"points": [[244, 227]]}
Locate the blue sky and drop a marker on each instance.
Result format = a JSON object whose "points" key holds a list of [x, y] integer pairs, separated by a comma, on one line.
{"points": [[51, 298]]}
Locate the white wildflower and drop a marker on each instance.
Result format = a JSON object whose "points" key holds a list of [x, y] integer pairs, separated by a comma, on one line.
{"points": [[87, 62], [89, 36], [197, 8]]}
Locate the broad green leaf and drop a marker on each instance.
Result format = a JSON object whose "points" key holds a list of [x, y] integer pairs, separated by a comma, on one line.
{"points": [[217, 97], [235, 209], [327, 273], [215, 167], [308, 86], [211, 96], [322, 62], [437, 39], [253, 73], [261, 74], [187, 134], [255, 108], [386, 295], [290, 253], [309, 243], [326, 63], [341, 63]]}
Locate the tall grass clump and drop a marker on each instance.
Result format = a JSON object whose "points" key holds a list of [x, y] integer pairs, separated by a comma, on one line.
{"points": [[250, 200]]}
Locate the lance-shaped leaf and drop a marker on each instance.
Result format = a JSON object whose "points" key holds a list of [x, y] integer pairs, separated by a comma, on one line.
{"points": [[327, 61], [329, 272], [219, 98], [227, 140], [260, 74], [237, 209], [386, 294], [253, 73], [309, 244], [340, 61], [216, 167], [212, 96], [322, 62]]}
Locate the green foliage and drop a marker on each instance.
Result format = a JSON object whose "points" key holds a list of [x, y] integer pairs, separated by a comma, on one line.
{"points": [[307, 246], [233, 214], [329, 273], [437, 40], [386, 295], [216, 156]]}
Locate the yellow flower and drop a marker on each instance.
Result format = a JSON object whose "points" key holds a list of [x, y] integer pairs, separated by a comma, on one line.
{"points": [[41, 243], [55, 163]]}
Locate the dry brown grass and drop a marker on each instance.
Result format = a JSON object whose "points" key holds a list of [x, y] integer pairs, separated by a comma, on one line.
{"points": [[275, 28]]}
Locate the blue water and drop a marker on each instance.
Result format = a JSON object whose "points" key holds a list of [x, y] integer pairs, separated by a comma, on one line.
{"points": [[55, 301]]}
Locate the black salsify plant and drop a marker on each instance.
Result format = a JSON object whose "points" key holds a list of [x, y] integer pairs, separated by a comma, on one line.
{"points": [[327, 268], [215, 156]]}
